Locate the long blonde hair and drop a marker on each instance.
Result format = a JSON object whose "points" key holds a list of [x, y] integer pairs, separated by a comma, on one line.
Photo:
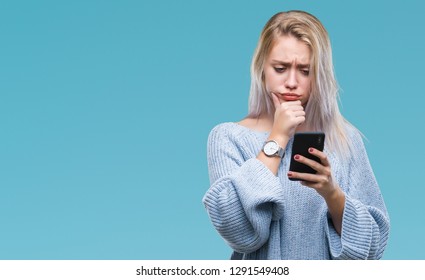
{"points": [[322, 112]]}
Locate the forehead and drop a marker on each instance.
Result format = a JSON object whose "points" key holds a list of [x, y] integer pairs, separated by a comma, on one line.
{"points": [[290, 49]]}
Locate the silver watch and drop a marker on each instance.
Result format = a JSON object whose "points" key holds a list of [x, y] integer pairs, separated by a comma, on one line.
{"points": [[272, 149]]}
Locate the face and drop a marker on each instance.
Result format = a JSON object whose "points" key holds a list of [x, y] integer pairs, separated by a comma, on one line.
{"points": [[287, 70]]}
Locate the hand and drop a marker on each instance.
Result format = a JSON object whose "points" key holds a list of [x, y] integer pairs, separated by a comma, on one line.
{"points": [[288, 116], [324, 184], [322, 181]]}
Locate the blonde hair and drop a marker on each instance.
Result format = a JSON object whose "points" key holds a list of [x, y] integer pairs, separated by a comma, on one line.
{"points": [[322, 112]]}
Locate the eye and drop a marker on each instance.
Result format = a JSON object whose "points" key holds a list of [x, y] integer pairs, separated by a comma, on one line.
{"points": [[279, 69], [305, 72]]}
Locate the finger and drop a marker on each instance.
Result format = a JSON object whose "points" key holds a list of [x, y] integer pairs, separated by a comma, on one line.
{"points": [[276, 101], [299, 113], [300, 120], [310, 180], [312, 163], [321, 155], [294, 105], [295, 109], [306, 179]]}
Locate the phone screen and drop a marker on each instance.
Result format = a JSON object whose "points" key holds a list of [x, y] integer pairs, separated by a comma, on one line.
{"points": [[302, 142]]}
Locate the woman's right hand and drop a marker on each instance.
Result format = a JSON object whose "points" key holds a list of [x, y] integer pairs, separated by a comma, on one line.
{"points": [[288, 116]]}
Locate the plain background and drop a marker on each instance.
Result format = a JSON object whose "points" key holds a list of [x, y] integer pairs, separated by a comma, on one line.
{"points": [[106, 106]]}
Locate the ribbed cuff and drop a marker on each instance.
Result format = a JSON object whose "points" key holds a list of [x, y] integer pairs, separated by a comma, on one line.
{"points": [[256, 185], [355, 240]]}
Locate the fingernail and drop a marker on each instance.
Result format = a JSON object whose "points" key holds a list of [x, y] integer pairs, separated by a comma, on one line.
{"points": [[297, 157], [310, 150], [289, 174]]}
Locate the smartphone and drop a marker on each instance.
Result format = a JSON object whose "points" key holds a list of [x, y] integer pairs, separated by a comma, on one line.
{"points": [[302, 142]]}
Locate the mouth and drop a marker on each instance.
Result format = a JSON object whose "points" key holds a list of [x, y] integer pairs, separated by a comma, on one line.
{"points": [[289, 96]]}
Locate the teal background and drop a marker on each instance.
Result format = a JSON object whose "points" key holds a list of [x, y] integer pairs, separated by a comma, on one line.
{"points": [[106, 106]]}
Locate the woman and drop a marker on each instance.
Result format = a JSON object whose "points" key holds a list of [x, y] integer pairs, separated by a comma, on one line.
{"points": [[337, 213]]}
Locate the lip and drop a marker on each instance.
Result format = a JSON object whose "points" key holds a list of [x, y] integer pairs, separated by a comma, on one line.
{"points": [[290, 96]]}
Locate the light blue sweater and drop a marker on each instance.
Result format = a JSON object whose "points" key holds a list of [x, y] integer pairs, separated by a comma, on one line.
{"points": [[263, 216]]}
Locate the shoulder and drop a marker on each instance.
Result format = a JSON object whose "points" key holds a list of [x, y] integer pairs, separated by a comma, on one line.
{"points": [[357, 146], [224, 142], [231, 134], [229, 130], [222, 130], [354, 136], [221, 134], [244, 128], [223, 127]]}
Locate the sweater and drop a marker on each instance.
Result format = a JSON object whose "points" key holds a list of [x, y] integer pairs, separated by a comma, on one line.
{"points": [[263, 216]]}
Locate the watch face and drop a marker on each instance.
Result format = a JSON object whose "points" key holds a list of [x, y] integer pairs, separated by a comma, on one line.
{"points": [[271, 148]]}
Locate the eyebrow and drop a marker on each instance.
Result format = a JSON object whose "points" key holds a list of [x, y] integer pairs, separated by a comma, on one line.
{"points": [[299, 65]]}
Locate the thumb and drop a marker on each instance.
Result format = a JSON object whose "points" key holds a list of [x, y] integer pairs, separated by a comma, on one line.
{"points": [[276, 101]]}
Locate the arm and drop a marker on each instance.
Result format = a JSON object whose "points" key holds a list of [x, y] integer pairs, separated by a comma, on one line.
{"points": [[365, 221], [288, 116], [244, 196], [358, 224], [324, 184]]}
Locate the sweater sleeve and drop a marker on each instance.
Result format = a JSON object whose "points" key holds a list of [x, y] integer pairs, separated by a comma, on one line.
{"points": [[244, 196], [365, 225]]}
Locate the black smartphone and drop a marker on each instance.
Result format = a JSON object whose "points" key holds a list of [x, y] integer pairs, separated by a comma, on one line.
{"points": [[302, 142]]}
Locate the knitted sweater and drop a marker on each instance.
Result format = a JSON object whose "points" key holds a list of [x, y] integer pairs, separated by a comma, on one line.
{"points": [[263, 216]]}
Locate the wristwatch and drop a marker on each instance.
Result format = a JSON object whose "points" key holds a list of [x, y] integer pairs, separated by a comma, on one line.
{"points": [[272, 149]]}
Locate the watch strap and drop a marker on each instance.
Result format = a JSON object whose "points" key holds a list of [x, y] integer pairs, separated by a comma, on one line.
{"points": [[280, 153]]}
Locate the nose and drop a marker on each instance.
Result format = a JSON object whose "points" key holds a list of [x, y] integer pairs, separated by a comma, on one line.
{"points": [[291, 81]]}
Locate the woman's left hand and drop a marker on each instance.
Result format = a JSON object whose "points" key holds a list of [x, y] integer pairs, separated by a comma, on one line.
{"points": [[322, 181], [324, 184]]}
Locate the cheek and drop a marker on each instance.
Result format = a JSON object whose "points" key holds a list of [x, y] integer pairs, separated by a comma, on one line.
{"points": [[307, 84], [270, 80]]}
